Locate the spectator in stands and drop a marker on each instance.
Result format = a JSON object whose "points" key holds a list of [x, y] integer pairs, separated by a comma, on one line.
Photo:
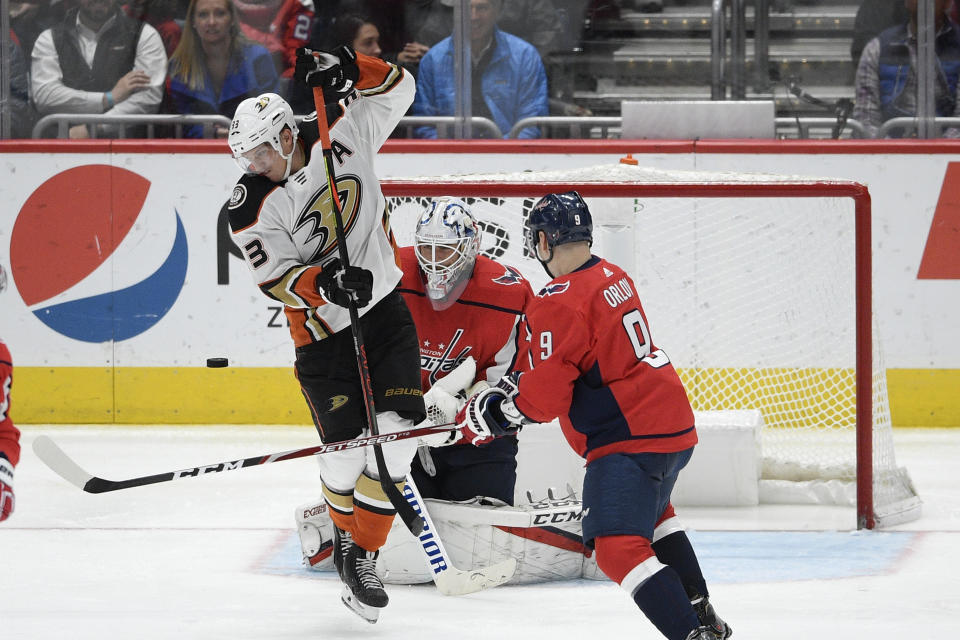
{"points": [[98, 61], [886, 83], [358, 31], [21, 111], [282, 26], [874, 16], [536, 21], [353, 29], [214, 67], [161, 15], [509, 81], [30, 18], [390, 18]]}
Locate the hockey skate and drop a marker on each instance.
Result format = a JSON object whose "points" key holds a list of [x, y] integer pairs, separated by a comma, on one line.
{"points": [[709, 618], [342, 541], [703, 633], [363, 591]]}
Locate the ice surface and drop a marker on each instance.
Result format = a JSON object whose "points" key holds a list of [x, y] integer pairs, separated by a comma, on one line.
{"points": [[216, 557]]}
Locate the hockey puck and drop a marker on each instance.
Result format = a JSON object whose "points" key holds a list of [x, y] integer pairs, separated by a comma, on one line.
{"points": [[216, 363]]}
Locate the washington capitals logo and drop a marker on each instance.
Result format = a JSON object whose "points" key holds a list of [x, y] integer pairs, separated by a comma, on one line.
{"points": [[439, 359], [510, 276], [553, 289]]}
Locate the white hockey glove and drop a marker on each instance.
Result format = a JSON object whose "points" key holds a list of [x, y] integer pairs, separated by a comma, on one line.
{"points": [[442, 406], [445, 398], [6, 488]]}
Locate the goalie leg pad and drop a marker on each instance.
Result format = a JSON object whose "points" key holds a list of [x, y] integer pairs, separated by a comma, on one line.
{"points": [[315, 530]]}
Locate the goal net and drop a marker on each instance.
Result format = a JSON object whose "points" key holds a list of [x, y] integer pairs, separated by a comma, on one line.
{"points": [[759, 288]]}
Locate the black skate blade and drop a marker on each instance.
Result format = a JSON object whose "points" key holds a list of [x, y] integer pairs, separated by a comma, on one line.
{"points": [[368, 613]]}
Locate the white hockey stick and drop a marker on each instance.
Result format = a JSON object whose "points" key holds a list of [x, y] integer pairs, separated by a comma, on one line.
{"points": [[451, 581]]}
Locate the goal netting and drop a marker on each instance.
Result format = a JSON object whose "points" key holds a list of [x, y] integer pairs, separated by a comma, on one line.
{"points": [[759, 288]]}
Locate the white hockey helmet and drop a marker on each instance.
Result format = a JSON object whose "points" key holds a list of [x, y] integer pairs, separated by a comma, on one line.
{"points": [[259, 120], [447, 242]]}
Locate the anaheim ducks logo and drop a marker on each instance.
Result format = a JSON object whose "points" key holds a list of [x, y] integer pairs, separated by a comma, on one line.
{"points": [[336, 402], [318, 220]]}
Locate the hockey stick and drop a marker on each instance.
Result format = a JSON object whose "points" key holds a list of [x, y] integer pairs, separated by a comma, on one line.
{"points": [[451, 581], [64, 466], [406, 513]]}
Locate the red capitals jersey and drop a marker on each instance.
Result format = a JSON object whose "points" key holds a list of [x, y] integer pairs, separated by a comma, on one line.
{"points": [[595, 367], [483, 323], [281, 27], [9, 435]]}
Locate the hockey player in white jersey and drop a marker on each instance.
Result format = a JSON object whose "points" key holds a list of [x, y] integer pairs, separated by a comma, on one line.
{"points": [[283, 222]]}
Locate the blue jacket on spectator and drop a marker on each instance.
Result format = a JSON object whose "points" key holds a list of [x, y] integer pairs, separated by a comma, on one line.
{"points": [[250, 73], [894, 66], [514, 84]]}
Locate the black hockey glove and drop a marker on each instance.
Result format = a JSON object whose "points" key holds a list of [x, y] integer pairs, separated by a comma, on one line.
{"points": [[337, 284], [335, 73]]}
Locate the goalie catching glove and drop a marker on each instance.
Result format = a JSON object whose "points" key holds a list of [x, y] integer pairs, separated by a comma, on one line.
{"points": [[337, 284], [335, 73], [491, 413]]}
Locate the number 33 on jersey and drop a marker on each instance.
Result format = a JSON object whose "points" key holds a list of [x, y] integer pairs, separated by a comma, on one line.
{"points": [[594, 366]]}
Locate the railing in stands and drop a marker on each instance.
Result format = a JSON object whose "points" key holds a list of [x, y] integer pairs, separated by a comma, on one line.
{"points": [[904, 126], [604, 127], [446, 125], [63, 122], [576, 127]]}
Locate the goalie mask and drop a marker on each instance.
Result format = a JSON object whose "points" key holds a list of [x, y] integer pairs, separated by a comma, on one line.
{"points": [[259, 121], [447, 242]]}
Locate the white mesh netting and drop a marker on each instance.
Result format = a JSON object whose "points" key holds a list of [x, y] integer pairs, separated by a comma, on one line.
{"points": [[754, 298]]}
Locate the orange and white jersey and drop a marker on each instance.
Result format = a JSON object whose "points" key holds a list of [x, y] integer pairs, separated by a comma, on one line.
{"points": [[286, 231]]}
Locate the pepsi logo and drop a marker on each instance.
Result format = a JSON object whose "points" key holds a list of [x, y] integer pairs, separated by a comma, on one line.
{"points": [[60, 249]]}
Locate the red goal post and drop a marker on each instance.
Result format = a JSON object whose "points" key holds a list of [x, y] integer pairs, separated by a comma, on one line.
{"points": [[619, 184]]}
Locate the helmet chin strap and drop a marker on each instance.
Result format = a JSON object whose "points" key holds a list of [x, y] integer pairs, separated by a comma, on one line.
{"points": [[543, 263], [289, 159]]}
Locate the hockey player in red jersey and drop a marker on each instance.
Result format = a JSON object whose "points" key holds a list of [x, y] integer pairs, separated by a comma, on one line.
{"points": [[281, 26], [9, 435], [621, 406], [282, 218], [464, 305]]}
